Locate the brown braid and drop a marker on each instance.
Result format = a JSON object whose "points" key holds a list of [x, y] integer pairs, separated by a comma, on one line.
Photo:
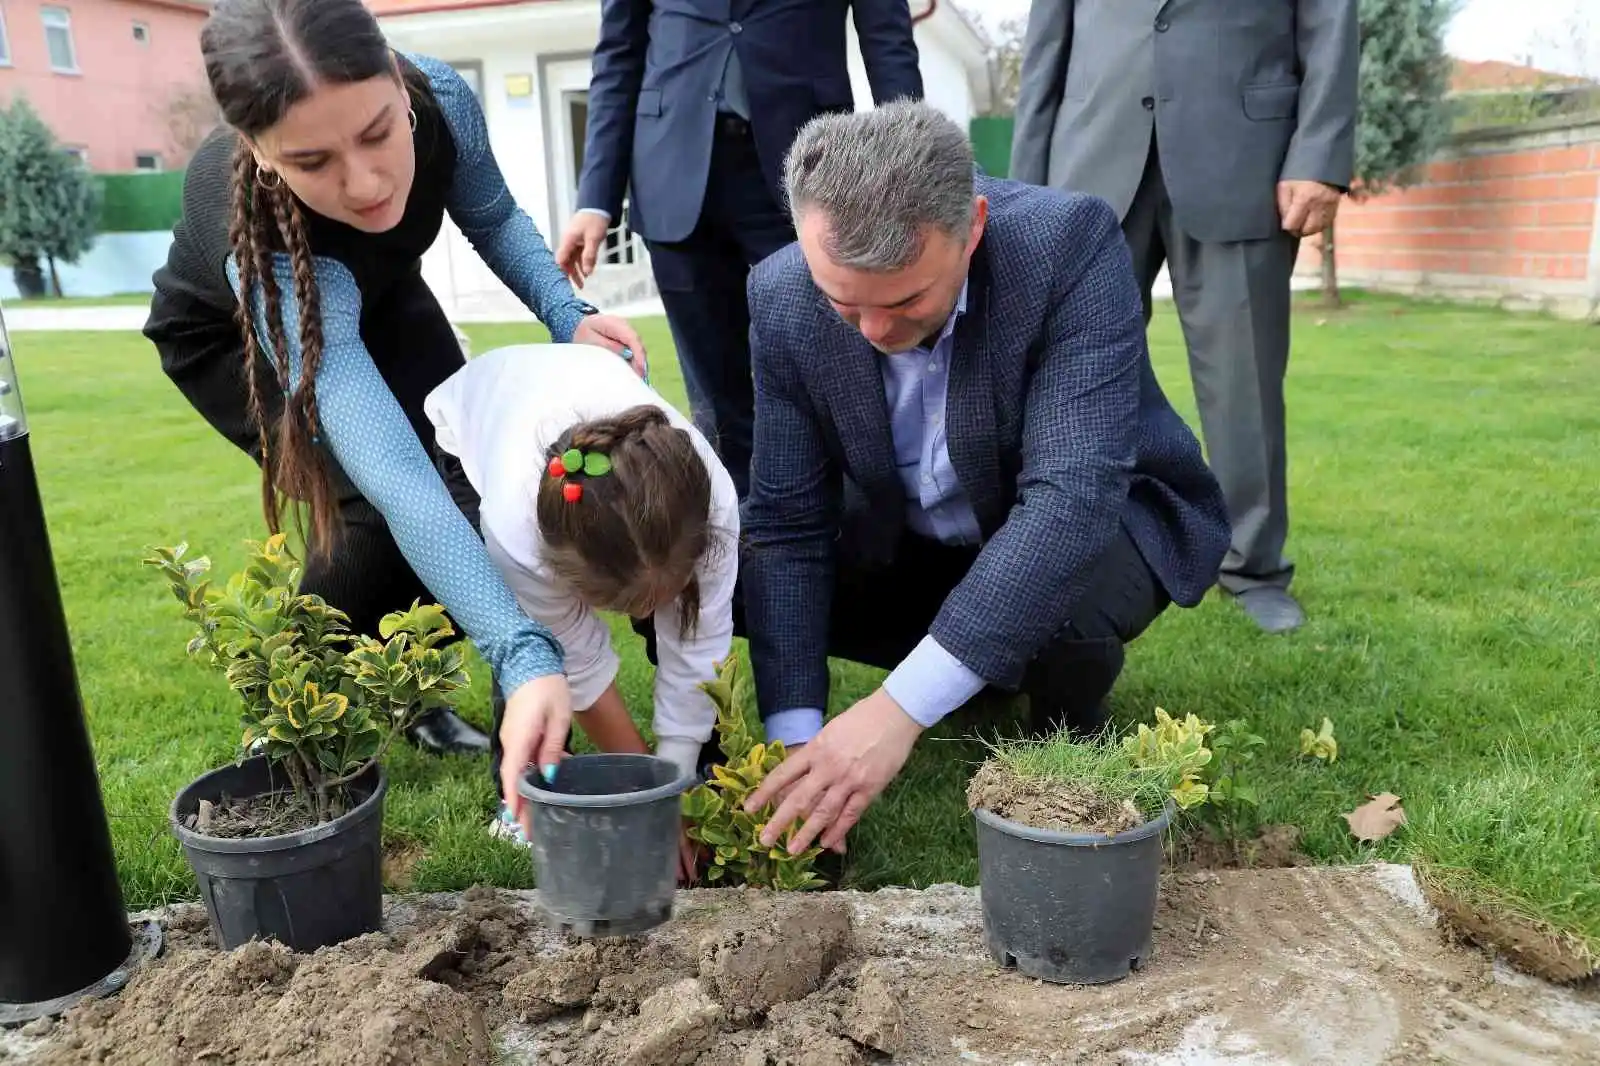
{"points": [[295, 469], [637, 534]]}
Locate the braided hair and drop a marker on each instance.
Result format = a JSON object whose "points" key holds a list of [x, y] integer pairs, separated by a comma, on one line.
{"points": [[634, 536], [262, 57]]}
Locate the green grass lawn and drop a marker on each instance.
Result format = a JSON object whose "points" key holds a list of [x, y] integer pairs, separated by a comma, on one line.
{"points": [[1444, 463], [121, 299]]}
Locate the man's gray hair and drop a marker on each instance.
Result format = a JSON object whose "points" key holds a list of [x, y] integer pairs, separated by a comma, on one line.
{"points": [[882, 178]]}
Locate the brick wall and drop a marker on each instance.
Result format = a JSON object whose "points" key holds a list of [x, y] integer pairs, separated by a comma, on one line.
{"points": [[1511, 215]]}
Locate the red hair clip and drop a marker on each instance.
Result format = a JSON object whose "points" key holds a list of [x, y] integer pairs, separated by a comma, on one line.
{"points": [[573, 461]]}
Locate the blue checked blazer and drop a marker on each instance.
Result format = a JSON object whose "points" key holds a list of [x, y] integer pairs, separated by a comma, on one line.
{"points": [[1057, 429]]}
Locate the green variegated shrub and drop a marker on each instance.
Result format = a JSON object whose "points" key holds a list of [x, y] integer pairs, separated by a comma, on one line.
{"points": [[715, 810], [316, 699]]}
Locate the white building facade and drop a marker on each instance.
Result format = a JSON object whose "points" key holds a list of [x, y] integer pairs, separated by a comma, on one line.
{"points": [[530, 63]]}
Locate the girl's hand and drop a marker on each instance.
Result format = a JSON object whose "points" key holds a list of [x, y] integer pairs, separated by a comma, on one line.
{"points": [[533, 729], [614, 334]]}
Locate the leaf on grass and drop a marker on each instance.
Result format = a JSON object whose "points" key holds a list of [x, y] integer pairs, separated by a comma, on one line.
{"points": [[1378, 818]]}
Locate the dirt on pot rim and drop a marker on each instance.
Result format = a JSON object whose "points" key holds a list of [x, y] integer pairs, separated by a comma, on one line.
{"points": [[1299, 967], [1064, 806]]}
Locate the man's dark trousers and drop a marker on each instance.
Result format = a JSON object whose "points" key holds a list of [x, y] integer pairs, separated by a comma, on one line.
{"points": [[702, 284], [880, 614]]}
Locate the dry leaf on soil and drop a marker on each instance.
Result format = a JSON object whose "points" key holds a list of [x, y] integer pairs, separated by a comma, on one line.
{"points": [[1377, 819]]}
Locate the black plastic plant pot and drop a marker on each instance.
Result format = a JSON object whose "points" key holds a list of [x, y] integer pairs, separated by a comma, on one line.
{"points": [[605, 842], [306, 890], [1069, 908]]}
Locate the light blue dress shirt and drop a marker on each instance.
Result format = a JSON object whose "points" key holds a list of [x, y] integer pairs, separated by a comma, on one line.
{"points": [[930, 682]]}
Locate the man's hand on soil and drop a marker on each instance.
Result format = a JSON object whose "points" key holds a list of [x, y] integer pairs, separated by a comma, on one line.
{"points": [[833, 779]]}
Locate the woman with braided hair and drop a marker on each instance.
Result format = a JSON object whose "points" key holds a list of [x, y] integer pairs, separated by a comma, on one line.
{"points": [[597, 496], [292, 314]]}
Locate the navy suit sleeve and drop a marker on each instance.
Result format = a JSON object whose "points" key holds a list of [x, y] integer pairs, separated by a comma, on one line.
{"points": [[1078, 448], [613, 97], [790, 520], [888, 49]]}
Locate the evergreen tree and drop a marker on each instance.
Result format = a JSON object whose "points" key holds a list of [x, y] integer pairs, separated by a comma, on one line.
{"points": [[1403, 120], [49, 203]]}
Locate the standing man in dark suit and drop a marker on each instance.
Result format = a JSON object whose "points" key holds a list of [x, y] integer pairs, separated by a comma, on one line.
{"points": [[965, 471], [1222, 132], [692, 107]]}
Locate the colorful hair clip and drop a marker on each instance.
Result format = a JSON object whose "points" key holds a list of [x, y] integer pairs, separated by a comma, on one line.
{"points": [[574, 461]]}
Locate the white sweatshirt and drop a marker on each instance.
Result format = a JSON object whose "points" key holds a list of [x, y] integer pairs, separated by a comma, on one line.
{"points": [[499, 415]]}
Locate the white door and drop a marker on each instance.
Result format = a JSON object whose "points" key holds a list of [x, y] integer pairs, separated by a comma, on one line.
{"points": [[566, 101]]}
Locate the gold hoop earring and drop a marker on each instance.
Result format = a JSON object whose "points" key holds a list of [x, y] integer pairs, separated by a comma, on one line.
{"points": [[261, 177], [411, 113]]}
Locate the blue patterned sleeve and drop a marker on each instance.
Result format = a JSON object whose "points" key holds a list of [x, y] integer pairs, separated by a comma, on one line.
{"points": [[368, 433], [479, 202]]}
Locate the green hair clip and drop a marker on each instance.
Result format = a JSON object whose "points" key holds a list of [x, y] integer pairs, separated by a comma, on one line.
{"points": [[575, 461]]}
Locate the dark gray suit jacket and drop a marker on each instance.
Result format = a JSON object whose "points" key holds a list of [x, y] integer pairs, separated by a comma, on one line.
{"points": [[1058, 431], [657, 70], [1240, 94]]}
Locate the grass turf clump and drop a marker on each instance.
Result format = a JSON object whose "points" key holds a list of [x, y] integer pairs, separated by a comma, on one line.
{"points": [[1097, 786]]}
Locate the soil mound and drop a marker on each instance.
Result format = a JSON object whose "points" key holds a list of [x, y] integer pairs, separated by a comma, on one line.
{"points": [[1282, 966]]}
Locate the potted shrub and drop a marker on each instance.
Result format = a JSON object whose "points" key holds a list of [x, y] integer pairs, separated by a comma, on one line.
{"points": [[1070, 846], [715, 810], [286, 842]]}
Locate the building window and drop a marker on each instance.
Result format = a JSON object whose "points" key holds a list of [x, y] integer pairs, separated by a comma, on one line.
{"points": [[5, 41], [150, 161], [141, 32], [58, 39]]}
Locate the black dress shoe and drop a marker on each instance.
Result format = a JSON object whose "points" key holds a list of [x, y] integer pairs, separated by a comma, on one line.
{"points": [[441, 732], [1271, 608]]}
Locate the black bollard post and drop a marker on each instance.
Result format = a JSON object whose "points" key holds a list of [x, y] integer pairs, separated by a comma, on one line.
{"points": [[64, 934]]}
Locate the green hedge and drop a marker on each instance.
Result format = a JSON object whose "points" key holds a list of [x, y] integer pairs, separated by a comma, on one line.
{"points": [[140, 203], [991, 143]]}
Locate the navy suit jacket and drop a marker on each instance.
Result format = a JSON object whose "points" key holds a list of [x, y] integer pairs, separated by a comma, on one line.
{"points": [[657, 71], [1057, 428]]}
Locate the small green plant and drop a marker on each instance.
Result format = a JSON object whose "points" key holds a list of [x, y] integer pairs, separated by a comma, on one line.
{"points": [[1211, 762], [715, 810], [324, 704], [1320, 745]]}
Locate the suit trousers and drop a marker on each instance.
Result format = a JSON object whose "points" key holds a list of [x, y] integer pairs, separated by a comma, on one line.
{"points": [[1233, 302], [702, 279], [880, 614]]}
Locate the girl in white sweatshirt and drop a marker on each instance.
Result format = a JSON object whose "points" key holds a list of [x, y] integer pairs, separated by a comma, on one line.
{"points": [[597, 495]]}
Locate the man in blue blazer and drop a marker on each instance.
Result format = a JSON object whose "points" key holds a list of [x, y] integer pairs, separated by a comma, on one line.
{"points": [[965, 471], [692, 105]]}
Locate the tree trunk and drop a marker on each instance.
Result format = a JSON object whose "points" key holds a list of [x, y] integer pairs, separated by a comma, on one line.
{"points": [[1330, 270]]}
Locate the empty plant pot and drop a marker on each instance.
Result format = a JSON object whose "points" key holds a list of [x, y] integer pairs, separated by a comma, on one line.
{"points": [[306, 890], [605, 842], [1069, 908]]}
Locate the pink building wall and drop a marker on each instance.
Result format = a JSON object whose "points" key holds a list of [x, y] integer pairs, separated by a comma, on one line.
{"points": [[121, 101]]}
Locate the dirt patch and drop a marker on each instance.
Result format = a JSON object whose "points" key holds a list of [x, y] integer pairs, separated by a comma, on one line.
{"points": [[1071, 807], [1263, 966], [400, 859], [266, 815], [1529, 945], [1272, 847]]}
